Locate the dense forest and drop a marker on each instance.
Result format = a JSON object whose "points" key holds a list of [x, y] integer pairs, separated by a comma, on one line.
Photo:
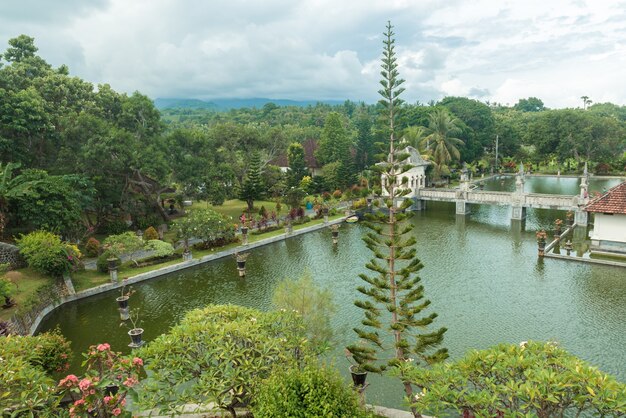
{"points": [[78, 158]]}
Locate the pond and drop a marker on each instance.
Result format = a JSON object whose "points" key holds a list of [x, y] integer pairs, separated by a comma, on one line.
{"points": [[483, 277]]}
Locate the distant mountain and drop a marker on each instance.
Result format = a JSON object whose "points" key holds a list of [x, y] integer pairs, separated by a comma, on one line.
{"points": [[226, 104]]}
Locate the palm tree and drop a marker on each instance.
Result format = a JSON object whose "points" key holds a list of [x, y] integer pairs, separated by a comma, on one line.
{"points": [[413, 136], [441, 143]]}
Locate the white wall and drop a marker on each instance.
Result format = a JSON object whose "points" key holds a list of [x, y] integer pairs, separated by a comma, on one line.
{"points": [[609, 227]]}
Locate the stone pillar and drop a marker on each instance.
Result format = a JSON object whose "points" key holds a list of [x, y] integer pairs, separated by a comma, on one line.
{"points": [[581, 217], [462, 207], [518, 213], [418, 204], [68, 283]]}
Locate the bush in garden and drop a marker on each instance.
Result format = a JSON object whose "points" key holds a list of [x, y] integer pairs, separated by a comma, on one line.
{"points": [[127, 243], [205, 224], [26, 388], [49, 351], [106, 370], [102, 264], [337, 194], [116, 226], [312, 391], [150, 234], [46, 253], [160, 248], [6, 290], [219, 354], [92, 248], [529, 379]]}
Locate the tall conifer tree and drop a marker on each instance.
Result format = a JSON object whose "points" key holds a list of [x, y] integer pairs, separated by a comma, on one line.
{"points": [[394, 298], [252, 187]]}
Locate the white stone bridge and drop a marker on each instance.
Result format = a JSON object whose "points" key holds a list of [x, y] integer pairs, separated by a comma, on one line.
{"points": [[468, 194]]}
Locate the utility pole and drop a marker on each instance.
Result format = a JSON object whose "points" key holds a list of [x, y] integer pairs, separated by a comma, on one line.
{"points": [[497, 138]]}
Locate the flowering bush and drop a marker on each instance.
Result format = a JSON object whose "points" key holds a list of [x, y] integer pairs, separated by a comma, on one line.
{"points": [[46, 253], [109, 379]]}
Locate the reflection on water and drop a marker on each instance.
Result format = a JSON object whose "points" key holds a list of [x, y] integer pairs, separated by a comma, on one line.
{"points": [[481, 274]]}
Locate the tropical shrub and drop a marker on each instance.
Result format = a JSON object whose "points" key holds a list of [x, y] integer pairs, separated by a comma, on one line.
{"points": [[127, 243], [108, 381], [6, 290], [46, 253], [160, 248], [150, 234], [48, 351], [102, 264], [529, 379], [114, 226], [312, 391], [26, 363], [92, 248], [337, 194], [219, 354], [205, 224]]}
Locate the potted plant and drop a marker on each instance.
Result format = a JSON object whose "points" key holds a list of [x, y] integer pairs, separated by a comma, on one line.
{"points": [[122, 302], [135, 332], [541, 241], [357, 371], [569, 218]]}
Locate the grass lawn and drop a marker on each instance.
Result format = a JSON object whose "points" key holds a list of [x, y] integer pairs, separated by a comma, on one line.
{"points": [[28, 281]]}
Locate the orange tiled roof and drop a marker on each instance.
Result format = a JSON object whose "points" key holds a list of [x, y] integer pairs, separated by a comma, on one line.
{"points": [[613, 201]]}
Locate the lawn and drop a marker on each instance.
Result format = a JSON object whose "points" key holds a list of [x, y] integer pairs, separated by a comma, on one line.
{"points": [[28, 281]]}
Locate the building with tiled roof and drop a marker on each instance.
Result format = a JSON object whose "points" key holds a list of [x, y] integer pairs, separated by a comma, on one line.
{"points": [[310, 147], [609, 227]]}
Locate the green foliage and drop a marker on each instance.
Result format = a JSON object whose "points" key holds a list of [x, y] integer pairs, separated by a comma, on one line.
{"points": [[127, 243], [46, 253], [55, 203], [440, 143], [219, 354], [92, 248], [334, 144], [205, 224], [48, 351], [310, 392], [6, 289], [530, 379], [160, 248], [297, 165], [314, 304], [150, 233], [252, 187], [102, 264], [532, 104], [26, 388], [395, 326]]}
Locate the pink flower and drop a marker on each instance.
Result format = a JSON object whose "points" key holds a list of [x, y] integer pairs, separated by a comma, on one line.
{"points": [[107, 399], [137, 361], [103, 347], [84, 384], [69, 381], [130, 382], [79, 402], [116, 411]]}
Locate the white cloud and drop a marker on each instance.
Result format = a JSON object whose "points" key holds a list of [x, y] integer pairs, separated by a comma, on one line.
{"points": [[320, 49]]}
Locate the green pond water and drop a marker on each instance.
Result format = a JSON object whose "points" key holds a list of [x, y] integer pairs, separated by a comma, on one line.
{"points": [[483, 277]]}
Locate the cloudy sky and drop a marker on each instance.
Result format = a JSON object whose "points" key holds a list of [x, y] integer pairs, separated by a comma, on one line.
{"points": [[496, 50]]}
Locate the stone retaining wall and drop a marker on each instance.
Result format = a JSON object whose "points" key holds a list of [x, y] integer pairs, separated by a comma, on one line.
{"points": [[11, 254]]}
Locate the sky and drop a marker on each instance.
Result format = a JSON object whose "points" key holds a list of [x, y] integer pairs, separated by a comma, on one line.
{"points": [[489, 50]]}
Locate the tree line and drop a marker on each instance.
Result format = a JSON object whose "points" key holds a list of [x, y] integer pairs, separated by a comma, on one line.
{"points": [[78, 157]]}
